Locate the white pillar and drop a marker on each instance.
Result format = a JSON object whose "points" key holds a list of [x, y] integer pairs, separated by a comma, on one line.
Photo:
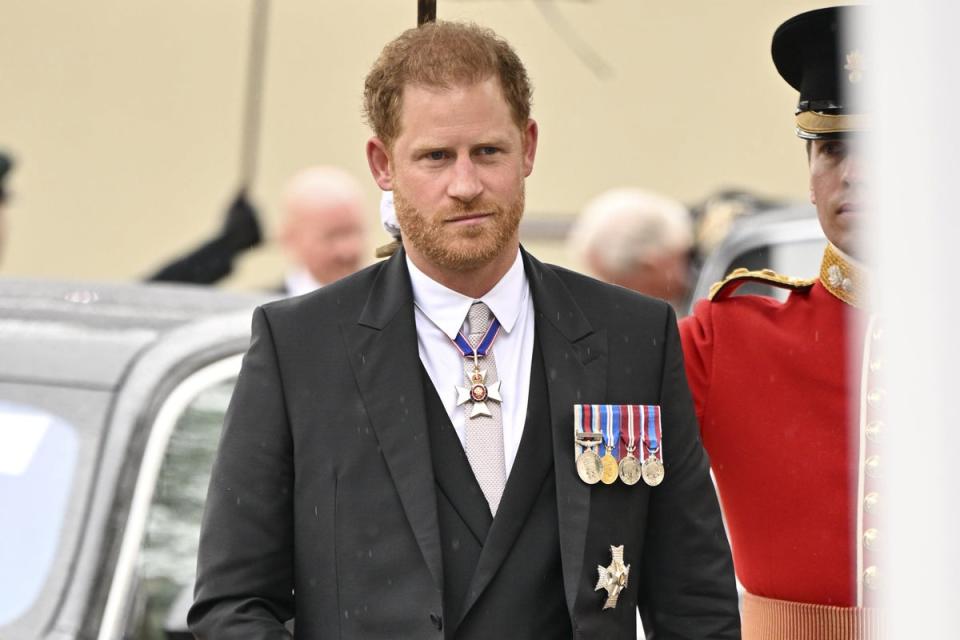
{"points": [[915, 242]]}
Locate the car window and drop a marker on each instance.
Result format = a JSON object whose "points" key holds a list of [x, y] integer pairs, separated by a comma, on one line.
{"points": [[38, 458], [167, 561], [788, 240], [50, 446]]}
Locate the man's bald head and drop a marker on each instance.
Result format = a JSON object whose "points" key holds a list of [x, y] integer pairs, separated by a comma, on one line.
{"points": [[324, 224], [636, 239]]}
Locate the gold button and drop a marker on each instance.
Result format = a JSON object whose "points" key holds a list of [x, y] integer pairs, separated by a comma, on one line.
{"points": [[872, 466], [870, 537], [876, 365], [877, 333], [875, 397], [871, 577], [870, 501], [874, 429]]}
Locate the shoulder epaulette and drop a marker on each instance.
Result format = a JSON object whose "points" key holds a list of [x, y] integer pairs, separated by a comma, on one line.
{"points": [[737, 277]]}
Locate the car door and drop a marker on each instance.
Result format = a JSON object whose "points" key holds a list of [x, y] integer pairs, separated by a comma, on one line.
{"points": [[157, 559]]}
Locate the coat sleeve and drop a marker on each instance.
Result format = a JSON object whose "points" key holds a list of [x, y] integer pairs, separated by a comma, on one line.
{"points": [[245, 563], [696, 336], [688, 589]]}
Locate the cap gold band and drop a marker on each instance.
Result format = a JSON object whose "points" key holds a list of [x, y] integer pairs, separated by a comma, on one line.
{"points": [[815, 122]]}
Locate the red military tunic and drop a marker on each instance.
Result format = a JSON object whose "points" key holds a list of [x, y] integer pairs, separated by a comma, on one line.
{"points": [[777, 391]]}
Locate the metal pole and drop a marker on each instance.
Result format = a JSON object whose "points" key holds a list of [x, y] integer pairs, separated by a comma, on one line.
{"points": [[426, 11], [250, 132]]}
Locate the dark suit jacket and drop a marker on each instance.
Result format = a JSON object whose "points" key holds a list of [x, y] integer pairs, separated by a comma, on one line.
{"points": [[323, 500]]}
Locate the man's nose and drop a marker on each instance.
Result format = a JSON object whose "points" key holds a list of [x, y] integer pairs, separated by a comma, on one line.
{"points": [[852, 168], [465, 184]]}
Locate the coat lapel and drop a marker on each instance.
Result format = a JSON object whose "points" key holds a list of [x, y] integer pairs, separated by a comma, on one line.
{"points": [[575, 361], [383, 348]]}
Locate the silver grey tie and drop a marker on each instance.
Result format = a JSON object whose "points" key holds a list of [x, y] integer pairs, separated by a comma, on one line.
{"points": [[485, 433]]}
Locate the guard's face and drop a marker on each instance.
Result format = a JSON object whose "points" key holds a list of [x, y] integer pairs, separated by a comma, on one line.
{"points": [[457, 171], [836, 189]]}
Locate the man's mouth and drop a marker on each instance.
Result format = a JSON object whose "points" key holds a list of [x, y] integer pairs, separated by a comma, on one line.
{"points": [[469, 217], [848, 207]]}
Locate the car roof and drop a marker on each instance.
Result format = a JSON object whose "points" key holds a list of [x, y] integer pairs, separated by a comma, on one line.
{"points": [[89, 333]]}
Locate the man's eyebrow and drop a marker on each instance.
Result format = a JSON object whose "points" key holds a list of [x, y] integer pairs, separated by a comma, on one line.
{"points": [[426, 146], [496, 140]]}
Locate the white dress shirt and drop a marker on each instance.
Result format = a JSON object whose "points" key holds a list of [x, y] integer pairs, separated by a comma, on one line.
{"points": [[299, 281], [440, 314]]}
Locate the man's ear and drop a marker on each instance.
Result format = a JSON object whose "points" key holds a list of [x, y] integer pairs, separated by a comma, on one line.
{"points": [[378, 157], [530, 134]]}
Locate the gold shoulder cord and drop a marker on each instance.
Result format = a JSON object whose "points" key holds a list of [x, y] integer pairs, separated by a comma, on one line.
{"points": [[737, 277]]}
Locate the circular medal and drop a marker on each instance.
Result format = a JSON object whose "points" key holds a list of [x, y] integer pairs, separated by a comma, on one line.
{"points": [[652, 471], [630, 469], [589, 466], [609, 475], [478, 392]]}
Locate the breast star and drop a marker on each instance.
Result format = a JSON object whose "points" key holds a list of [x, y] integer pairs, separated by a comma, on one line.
{"points": [[613, 578]]}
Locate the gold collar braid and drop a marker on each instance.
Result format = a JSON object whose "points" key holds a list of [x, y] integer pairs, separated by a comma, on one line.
{"points": [[844, 277]]}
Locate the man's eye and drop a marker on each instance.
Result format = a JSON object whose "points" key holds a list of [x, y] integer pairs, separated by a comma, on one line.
{"points": [[436, 155], [834, 148], [488, 151]]}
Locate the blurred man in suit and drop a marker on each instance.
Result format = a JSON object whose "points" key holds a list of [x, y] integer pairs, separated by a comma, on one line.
{"points": [[322, 234], [324, 228]]}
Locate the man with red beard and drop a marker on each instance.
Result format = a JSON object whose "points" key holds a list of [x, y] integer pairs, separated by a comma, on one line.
{"points": [[786, 393], [415, 451]]}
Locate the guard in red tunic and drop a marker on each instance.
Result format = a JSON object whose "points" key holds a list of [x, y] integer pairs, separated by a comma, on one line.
{"points": [[786, 392]]}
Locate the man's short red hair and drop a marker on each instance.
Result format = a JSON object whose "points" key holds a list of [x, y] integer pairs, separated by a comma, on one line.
{"points": [[442, 55]]}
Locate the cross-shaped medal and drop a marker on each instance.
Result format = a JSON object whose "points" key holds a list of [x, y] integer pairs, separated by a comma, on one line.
{"points": [[477, 390]]}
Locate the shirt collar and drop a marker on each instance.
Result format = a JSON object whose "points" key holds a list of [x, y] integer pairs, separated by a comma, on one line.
{"points": [[448, 309], [299, 281]]}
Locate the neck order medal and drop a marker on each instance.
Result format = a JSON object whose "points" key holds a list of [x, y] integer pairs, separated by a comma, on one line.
{"points": [[477, 391]]}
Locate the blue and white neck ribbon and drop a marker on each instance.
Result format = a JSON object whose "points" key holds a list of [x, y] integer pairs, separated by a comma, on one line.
{"points": [[477, 391], [467, 350]]}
